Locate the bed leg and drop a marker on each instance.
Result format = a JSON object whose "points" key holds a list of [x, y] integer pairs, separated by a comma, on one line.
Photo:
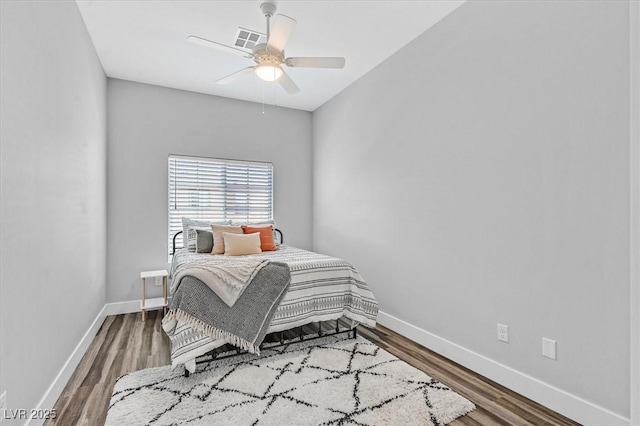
{"points": [[281, 337], [319, 328], [337, 325], [301, 336], [186, 372], [355, 332]]}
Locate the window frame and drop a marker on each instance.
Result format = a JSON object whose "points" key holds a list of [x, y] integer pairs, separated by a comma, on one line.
{"points": [[222, 190]]}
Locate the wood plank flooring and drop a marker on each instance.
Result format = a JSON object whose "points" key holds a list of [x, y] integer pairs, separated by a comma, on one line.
{"points": [[495, 404], [124, 344]]}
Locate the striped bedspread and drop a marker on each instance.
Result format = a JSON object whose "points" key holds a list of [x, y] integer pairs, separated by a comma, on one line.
{"points": [[322, 288]]}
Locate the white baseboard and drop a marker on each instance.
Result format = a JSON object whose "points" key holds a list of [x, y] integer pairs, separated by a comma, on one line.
{"points": [[55, 390], [548, 395], [118, 308], [127, 307]]}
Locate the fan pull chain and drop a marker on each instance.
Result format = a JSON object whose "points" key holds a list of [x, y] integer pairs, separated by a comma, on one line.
{"points": [[263, 83], [274, 93]]}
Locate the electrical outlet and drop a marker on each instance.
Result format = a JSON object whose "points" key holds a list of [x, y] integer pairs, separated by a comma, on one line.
{"points": [[3, 404], [549, 348], [158, 280], [503, 333]]}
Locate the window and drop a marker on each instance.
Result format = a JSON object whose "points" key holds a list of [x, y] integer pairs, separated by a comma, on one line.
{"points": [[218, 190]]}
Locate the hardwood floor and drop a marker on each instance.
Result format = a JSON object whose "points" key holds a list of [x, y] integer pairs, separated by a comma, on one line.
{"points": [[124, 344], [495, 404]]}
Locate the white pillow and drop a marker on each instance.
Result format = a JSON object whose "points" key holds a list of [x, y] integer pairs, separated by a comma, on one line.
{"points": [[239, 244]]}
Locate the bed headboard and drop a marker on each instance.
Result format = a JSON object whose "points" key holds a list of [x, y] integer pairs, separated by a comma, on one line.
{"points": [[173, 243]]}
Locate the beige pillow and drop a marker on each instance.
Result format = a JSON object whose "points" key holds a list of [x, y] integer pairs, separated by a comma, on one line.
{"points": [[237, 245], [218, 241]]}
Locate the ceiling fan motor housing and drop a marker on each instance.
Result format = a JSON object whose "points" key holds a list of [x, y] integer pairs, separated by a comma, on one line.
{"points": [[262, 55]]}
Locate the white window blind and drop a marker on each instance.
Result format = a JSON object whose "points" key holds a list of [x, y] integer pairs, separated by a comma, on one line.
{"points": [[217, 190]]}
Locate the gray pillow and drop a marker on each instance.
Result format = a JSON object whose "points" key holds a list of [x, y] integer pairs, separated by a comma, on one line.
{"points": [[204, 241], [192, 236]]}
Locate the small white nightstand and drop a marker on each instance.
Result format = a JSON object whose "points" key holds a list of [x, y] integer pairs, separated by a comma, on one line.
{"points": [[158, 302]]}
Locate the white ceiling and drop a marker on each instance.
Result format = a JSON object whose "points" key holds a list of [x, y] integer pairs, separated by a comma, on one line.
{"points": [[144, 41]]}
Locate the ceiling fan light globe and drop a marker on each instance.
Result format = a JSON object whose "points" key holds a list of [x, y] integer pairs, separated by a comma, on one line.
{"points": [[268, 72]]}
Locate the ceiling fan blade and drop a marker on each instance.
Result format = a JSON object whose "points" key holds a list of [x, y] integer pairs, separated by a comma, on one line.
{"points": [[315, 62], [287, 84], [215, 45], [280, 32], [235, 76]]}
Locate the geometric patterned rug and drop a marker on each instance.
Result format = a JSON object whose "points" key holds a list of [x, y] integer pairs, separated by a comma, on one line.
{"points": [[332, 381]]}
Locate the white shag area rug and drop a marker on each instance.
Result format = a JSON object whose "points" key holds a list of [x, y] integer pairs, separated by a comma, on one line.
{"points": [[332, 381]]}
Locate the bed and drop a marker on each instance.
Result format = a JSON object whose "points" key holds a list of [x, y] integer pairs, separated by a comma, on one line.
{"points": [[321, 288]]}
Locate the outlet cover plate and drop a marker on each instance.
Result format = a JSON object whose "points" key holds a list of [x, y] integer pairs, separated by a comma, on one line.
{"points": [[158, 281], [549, 348], [503, 333]]}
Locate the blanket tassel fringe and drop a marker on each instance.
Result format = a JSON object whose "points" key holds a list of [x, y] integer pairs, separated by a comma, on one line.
{"points": [[213, 332]]}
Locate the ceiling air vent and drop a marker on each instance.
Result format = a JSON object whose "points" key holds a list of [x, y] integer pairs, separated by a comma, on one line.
{"points": [[247, 39]]}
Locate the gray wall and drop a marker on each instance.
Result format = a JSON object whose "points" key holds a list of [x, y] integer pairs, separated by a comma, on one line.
{"points": [[53, 183], [481, 175], [147, 123]]}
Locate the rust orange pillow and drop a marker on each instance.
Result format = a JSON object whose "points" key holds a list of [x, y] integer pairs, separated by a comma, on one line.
{"points": [[266, 236]]}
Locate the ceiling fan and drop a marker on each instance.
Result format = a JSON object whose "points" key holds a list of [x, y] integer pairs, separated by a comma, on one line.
{"points": [[269, 57]]}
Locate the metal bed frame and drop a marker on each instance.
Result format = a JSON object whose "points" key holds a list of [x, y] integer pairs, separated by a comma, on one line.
{"points": [[213, 355]]}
